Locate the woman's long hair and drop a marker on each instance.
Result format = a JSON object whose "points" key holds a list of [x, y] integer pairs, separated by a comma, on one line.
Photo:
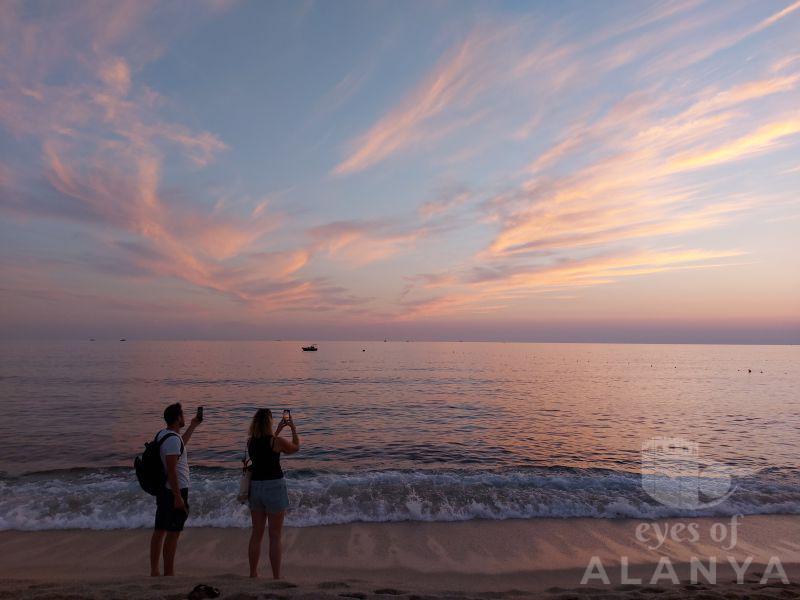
{"points": [[260, 426]]}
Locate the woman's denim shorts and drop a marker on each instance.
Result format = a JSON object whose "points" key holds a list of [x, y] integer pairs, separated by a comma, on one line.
{"points": [[269, 495]]}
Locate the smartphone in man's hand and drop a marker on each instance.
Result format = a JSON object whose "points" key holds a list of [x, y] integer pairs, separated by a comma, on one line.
{"points": [[200, 413]]}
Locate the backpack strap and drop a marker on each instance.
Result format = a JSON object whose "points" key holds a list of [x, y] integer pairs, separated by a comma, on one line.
{"points": [[170, 434]]}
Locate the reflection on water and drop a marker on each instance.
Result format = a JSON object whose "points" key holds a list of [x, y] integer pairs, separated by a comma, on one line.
{"points": [[413, 406]]}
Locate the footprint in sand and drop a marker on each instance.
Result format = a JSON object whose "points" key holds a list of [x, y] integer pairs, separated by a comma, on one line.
{"points": [[333, 585], [504, 594], [279, 585], [42, 586], [158, 586]]}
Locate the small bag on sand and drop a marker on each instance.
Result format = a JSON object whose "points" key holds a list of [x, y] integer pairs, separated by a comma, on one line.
{"points": [[244, 481]]}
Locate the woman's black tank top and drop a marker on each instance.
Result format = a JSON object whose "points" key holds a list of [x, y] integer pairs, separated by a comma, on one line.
{"points": [[266, 462]]}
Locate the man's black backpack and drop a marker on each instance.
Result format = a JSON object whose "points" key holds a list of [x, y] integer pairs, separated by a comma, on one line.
{"points": [[149, 468]]}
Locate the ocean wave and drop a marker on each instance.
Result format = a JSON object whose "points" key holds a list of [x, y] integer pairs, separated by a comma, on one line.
{"points": [[112, 499]]}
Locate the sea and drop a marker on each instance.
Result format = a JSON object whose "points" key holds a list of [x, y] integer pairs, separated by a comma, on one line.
{"points": [[405, 430]]}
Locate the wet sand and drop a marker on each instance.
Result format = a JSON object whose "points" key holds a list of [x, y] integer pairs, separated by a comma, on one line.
{"points": [[537, 558]]}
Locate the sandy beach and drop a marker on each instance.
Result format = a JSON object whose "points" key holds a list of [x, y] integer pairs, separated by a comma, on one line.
{"points": [[537, 558]]}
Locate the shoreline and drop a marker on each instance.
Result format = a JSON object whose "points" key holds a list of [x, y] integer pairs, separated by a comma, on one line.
{"points": [[531, 557]]}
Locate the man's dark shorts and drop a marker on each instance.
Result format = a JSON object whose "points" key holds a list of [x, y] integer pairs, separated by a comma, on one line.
{"points": [[168, 518]]}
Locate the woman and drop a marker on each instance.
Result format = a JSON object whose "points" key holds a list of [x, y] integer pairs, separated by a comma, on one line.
{"points": [[268, 497]]}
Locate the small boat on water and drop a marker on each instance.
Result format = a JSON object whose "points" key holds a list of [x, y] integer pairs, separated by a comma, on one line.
{"points": [[311, 348]]}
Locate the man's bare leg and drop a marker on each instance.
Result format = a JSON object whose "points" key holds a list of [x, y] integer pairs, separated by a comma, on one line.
{"points": [[170, 546], [155, 551]]}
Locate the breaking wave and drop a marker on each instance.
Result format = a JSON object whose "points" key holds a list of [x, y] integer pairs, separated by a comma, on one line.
{"points": [[112, 499]]}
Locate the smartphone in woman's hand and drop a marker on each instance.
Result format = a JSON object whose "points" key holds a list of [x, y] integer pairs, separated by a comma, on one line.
{"points": [[287, 415]]}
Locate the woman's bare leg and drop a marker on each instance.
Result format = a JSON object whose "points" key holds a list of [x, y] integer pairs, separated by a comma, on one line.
{"points": [[275, 528], [259, 519]]}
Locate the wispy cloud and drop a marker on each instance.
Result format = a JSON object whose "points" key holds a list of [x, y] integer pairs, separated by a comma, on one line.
{"points": [[764, 138], [455, 80], [772, 19], [363, 242], [483, 290], [620, 173], [447, 200], [544, 157], [104, 146]]}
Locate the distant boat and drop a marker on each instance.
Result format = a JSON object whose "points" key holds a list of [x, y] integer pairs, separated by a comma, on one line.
{"points": [[311, 348], [122, 340]]}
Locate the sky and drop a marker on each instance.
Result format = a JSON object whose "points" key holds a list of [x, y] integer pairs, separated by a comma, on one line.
{"points": [[522, 171]]}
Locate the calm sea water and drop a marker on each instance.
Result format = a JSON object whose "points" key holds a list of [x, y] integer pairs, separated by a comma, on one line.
{"points": [[396, 430]]}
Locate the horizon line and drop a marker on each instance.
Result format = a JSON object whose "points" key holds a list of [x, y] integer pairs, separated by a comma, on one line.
{"points": [[401, 340]]}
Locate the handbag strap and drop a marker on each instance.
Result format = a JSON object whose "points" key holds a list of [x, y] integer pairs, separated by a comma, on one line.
{"points": [[245, 455]]}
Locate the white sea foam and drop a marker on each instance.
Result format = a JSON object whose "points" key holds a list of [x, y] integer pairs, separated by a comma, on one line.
{"points": [[111, 499]]}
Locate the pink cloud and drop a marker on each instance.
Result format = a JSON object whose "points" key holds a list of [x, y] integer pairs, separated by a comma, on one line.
{"points": [[363, 242], [104, 146], [454, 81], [488, 292]]}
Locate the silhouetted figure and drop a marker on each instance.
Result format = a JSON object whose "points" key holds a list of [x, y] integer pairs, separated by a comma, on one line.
{"points": [[268, 496]]}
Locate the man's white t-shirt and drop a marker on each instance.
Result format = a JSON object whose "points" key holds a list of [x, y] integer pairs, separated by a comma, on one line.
{"points": [[172, 445]]}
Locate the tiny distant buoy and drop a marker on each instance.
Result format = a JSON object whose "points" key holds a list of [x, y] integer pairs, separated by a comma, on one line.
{"points": [[749, 370]]}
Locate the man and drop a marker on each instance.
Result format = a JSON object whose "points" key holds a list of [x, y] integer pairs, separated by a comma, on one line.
{"points": [[172, 502]]}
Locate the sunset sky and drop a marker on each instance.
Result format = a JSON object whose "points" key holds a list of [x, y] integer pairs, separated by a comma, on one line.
{"points": [[610, 171]]}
